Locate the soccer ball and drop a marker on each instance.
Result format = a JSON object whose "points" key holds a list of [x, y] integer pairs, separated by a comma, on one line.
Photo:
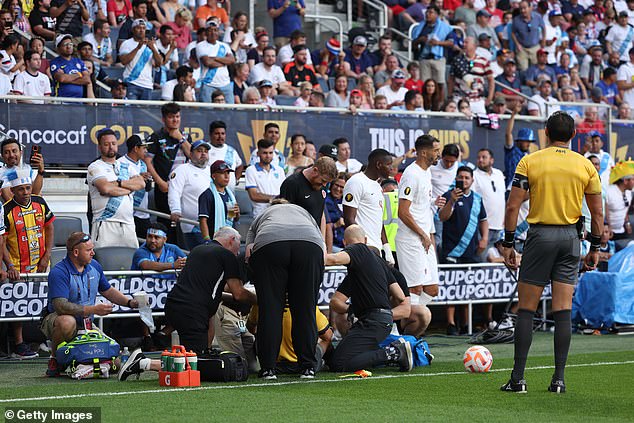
{"points": [[477, 359]]}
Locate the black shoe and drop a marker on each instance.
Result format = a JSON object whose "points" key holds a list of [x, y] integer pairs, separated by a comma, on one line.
{"points": [[464, 330], [519, 387], [268, 374], [161, 341], [557, 386], [132, 366], [307, 374], [404, 357], [452, 330]]}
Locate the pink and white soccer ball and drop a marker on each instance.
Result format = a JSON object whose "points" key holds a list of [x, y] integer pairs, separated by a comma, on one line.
{"points": [[477, 359]]}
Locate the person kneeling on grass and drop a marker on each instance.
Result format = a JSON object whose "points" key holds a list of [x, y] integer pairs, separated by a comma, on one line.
{"points": [[73, 284], [368, 284]]}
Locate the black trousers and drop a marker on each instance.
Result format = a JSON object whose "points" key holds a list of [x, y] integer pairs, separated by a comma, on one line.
{"points": [[141, 226], [192, 330], [360, 348], [293, 269]]}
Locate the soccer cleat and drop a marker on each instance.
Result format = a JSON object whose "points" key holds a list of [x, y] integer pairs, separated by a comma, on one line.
{"points": [[132, 366], [405, 358], [23, 352], [518, 387], [507, 323], [268, 374], [307, 374], [452, 330], [557, 386], [53, 368]]}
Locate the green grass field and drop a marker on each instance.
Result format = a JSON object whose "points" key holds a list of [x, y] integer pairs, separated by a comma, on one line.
{"points": [[599, 378]]}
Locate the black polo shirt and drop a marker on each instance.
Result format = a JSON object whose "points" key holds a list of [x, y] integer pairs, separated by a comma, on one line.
{"points": [[298, 190], [367, 281], [164, 149], [199, 287]]}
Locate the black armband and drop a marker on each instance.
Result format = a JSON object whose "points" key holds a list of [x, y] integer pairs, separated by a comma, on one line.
{"points": [[595, 242], [509, 239], [520, 181]]}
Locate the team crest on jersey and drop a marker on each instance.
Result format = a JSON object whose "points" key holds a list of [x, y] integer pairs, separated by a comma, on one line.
{"points": [[349, 197], [408, 190]]}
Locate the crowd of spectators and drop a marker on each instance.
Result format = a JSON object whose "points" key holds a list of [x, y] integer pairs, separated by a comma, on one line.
{"points": [[471, 57]]}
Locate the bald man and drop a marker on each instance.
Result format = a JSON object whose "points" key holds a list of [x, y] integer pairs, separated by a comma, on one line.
{"points": [[369, 284]]}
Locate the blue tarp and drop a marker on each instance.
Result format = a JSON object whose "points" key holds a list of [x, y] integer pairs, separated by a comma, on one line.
{"points": [[605, 298]]}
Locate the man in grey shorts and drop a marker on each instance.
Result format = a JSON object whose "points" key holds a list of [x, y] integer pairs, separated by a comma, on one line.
{"points": [[556, 180]]}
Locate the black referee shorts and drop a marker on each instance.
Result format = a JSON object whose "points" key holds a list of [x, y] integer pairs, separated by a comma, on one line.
{"points": [[551, 253]]}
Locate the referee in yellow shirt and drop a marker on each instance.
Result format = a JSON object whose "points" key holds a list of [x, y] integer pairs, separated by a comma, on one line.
{"points": [[556, 180]]}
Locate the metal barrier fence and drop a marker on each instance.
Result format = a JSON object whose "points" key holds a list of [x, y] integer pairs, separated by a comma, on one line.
{"points": [[464, 284]]}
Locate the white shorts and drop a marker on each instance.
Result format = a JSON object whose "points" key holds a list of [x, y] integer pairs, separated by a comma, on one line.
{"points": [[114, 234], [418, 266]]}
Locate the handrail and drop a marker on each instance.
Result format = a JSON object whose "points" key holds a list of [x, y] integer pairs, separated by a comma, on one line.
{"points": [[318, 17], [381, 7], [165, 215], [53, 53], [514, 91]]}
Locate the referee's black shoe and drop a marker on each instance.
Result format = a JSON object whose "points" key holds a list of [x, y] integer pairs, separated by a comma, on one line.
{"points": [[519, 387], [557, 386]]}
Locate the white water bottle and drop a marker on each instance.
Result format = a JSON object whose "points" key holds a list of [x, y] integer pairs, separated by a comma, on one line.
{"points": [[125, 355]]}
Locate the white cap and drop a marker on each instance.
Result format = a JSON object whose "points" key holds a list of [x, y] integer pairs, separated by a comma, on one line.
{"points": [[62, 37]]}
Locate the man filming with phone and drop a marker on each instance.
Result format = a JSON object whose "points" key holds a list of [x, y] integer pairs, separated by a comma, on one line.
{"points": [[139, 54], [11, 151]]}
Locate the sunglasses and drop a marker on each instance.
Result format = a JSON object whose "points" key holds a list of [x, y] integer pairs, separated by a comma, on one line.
{"points": [[82, 240]]}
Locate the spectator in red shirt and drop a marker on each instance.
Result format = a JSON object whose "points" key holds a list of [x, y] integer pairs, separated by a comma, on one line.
{"points": [[118, 11], [414, 82], [182, 27]]}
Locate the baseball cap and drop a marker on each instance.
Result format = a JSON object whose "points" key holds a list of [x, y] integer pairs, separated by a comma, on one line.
{"points": [[211, 23], [596, 92], [114, 83], [62, 37], [328, 150], [136, 140], [265, 83], [623, 13], [398, 74], [356, 92], [333, 46], [499, 100], [555, 13], [594, 134], [201, 143], [220, 166], [541, 51], [138, 22], [544, 81], [526, 134], [483, 12], [360, 40], [484, 36], [511, 60]]}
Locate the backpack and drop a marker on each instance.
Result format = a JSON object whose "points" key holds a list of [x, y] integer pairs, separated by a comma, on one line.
{"points": [[91, 348], [420, 349], [225, 366]]}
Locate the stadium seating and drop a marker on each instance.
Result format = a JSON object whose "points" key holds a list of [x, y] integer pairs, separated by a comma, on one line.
{"points": [[57, 254], [64, 226], [115, 258]]}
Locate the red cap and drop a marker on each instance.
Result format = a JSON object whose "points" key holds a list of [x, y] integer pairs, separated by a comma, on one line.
{"points": [[356, 92], [541, 51]]}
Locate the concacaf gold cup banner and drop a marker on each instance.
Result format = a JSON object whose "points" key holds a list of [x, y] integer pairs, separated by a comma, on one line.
{"points": [[68, 133]]}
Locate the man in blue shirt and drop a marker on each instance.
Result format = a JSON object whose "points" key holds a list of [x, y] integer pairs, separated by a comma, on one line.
{"points": [[466, 234], [287, 17], [608, 87], [69, 73], [73, 284], [514, 150], [158, 255], [528, 33]]}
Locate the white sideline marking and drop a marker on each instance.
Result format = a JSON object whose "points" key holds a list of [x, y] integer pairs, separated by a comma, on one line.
{"points": [[266, 385]]}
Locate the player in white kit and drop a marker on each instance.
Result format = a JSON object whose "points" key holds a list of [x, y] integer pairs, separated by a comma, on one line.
{"points": [[414, 242]]}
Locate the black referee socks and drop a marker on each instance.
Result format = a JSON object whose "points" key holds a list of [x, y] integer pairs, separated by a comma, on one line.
{"points": [[523, 340], [563, 332]]}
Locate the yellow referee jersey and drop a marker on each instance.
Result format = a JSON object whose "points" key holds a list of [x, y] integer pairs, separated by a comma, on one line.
{"points": [[558, 178]]}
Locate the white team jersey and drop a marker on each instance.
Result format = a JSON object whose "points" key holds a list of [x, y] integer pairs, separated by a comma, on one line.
{"points": [[365, 195], [442, 178], [268, 183], [32, 85], [186, 183], [492, 189], [105, 208], [351, 166], [214, 77], [416, 187], [139, 71], [140, 197], [229, 155]]}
